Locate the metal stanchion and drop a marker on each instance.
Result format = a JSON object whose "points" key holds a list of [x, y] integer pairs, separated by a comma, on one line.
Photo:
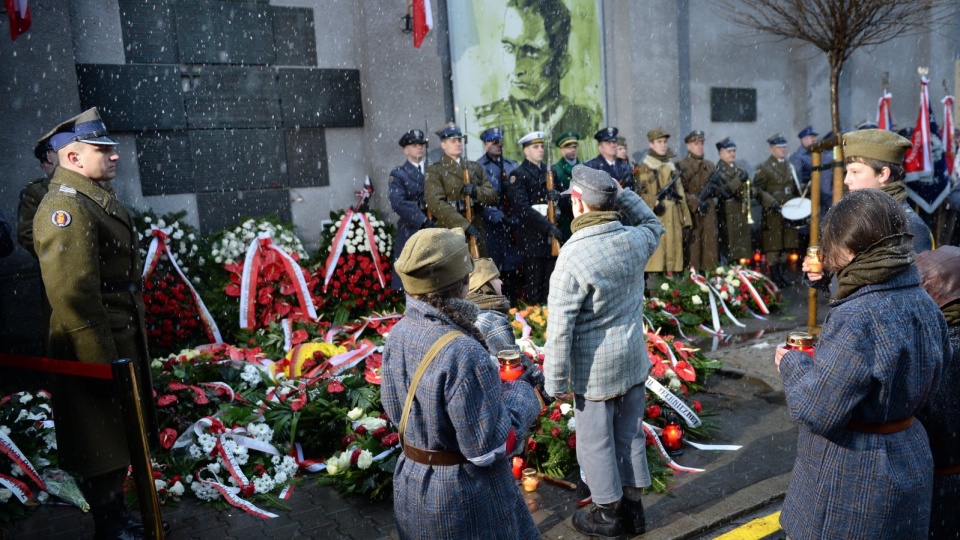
{"points": [[125, 376]]}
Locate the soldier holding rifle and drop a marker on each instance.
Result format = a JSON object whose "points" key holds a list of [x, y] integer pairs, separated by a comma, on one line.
{"points": [[528, 193], [453, 186], [732, 190], [656, 183], [702, 245]]}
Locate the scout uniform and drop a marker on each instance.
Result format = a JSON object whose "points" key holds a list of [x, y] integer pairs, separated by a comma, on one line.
{"points": [[703, 249], [775, 183], [501, 241], [406, 200], [443, 187], [734, 230], [619, 170], [654, 175], [562, 171]]}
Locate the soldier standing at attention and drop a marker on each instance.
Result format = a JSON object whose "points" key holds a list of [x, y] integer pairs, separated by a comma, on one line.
{"points": [[654, 174], [527, 188], [444, 188], [734, 230], [91, 267], [32, 194], [703, 249], [501, 239], [775, 183], [623, 152], [607, 160], [569, 145], [406, 195]]}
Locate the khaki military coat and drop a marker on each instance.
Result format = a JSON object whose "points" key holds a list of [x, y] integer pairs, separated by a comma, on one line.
{"points": [[91, 269], [734, 229], [652, 176], [30, 198], [703, 245], [441, 189], [773, 185]]}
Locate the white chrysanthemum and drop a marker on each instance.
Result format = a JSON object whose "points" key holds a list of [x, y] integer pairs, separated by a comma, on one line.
{"points": [[696, 300], [289, 465], [674, 384], [15, 470], [670, 373], [204, 492], [147, 219], [355, 413], [373, 423], [251, 375], [196, 452], [176, 489], [664, 287], [365, 459], [261, 432], [207, 442], [280, 478], [263, 484]]}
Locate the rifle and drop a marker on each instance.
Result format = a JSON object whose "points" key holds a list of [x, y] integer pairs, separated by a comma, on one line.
{"points": [[669, 187], [426, 161], [551, 212], [468, 213], [713, 187]]}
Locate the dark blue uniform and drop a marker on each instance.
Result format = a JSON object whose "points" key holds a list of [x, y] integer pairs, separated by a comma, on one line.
{"points": [[498, 227], [528, 186], [620, 170], [406, 199]]}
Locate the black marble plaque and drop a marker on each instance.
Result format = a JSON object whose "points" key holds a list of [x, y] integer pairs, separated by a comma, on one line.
{"points": [[294, 39], [220, 32], [307, 157], [219, 210], [320, 97], [165, 162], [148, 34], [133, 97], [238, 159], [733, 104], [227, 96]]}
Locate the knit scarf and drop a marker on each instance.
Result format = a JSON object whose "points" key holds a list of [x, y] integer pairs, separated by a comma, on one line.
{"points": [[951, 312], [494, 302], [469, 310], [594, 217], [897, 190], [881, 261]]}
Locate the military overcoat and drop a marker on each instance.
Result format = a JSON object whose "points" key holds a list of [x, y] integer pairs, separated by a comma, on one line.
{"points": [[774, 184], [91, 268], [653, 176], [30, 197], [407, 201], [442, 187], [528, 186], [703, 247], [734, 230]]}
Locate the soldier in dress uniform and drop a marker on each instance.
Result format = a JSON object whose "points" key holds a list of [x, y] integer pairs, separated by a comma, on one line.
{"points": [[406, 195], [569, 145], [607, 160], [653, 175], [501, 239], [535, 234], [703, 244], [623, 152], [774, 183], [91, 267], [445, 190], [32, 194], [732, 187]]}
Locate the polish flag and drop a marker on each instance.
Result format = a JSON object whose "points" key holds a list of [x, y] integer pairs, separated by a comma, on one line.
{"points": [[19, 15], [884, 116], [946, 133], [918, 163], [422, 20]]}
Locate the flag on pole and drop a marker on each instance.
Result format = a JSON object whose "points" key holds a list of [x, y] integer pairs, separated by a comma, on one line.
{"points": [[946, 134], [19, 15], [918, 163], [422, 21], [884, 116]]}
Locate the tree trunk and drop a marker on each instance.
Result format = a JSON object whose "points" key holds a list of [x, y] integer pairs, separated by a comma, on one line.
{"points": [[836, 65]]}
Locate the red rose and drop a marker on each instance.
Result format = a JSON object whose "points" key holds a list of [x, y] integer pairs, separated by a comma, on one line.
{"points": [[383, 416], [167, 437], [167, 399], [335, 387], [348, 439], [555, 415], [361, 430], [572, 442], [650, 440], [653, 411], [380, 432], [355, 456], [391, 439], [697, 407], [555, 431]]}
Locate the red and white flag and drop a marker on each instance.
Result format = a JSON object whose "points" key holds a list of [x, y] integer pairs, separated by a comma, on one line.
{"points": [[19, 15], [918, 163], [946, 133], [884, 116], [422, 20]]}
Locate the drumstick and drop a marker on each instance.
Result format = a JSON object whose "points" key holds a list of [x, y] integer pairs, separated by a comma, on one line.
{"points": [[802, 196]]}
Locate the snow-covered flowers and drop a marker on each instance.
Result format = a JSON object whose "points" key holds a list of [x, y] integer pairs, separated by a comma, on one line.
{"points": [[231, 245]]}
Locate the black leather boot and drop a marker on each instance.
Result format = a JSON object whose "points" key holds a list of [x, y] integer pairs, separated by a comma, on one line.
{"points": [[602, 520], [133, 524], [632, 517]]}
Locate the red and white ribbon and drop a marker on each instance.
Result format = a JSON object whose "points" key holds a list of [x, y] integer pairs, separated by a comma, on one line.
{"points": [[230, 494], [251, 270], [525, 332], [158, 246], [341, 362], [340, 239], [663, 451], [356, 331], [715, 297], [287, 326], [674, 402], [20, 490], [753, 292], [221, 388], [676, 322], [309, 465], [10, 449]]}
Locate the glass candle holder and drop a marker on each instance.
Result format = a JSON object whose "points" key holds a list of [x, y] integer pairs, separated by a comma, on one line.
{"points": [[510, 366], [800, 341], [813, 260], [530, 480]]}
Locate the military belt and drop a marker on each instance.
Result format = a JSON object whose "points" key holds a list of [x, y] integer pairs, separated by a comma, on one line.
{"points": [[880, 429], [433, 457], [110, 287]]}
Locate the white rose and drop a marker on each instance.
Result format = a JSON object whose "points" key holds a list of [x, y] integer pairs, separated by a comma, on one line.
{"points": [[351, 249], [664, 287], [146, 219], [191, 237], [159, 484], [670, 374], [572, 425], [724, 295], [344, 459], [176, 489], [735, 282], [696, 300], [720, 270], [565, 408], [703, 288], [161, 223], [332, 467], [365, 459], [373, 423], [355, 413], [674, 384]]}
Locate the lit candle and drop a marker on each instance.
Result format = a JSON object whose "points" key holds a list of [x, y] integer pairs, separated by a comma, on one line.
{"points": [[800, 341], [673, 437], [530, 480], [518, 466], [510, 366]]}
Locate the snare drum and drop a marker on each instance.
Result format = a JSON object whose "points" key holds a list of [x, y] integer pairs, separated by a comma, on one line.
{"points": [[796, 212]]}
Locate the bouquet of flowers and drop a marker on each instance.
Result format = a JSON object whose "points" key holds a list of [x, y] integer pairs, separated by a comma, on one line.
{"points": [[170, 489], [746, 291], [369, 455], [552, 448], [29, 446]]}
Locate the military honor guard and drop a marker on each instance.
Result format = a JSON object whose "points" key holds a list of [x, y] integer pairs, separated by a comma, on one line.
{"points": [[607, 160], [32, 194], [528, 196], [657, 182], [568, 143], [451, 182], [734, 210], [91, 268], [501, 239], [774, 183], [703, 244], [406, 195]]}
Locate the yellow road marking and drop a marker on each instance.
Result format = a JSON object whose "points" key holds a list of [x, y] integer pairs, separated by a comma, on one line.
{"points": [[755, 529]]}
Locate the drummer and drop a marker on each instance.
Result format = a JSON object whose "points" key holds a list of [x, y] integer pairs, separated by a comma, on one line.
{"points": [[775, 183]]}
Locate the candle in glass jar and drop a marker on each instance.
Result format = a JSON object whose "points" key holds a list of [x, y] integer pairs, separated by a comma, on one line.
{"points": [[813, 260], [800, 341], [518, 466], [530, 480], [510, 366]]}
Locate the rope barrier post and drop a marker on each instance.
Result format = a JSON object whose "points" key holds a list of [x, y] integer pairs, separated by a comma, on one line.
{"points": [[125, 376]]}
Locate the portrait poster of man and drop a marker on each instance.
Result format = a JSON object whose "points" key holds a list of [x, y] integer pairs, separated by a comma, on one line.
{"points": [[527, 65]]}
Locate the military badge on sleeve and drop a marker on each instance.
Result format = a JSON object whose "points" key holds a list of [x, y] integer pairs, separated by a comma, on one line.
{"points": [[61, 218]]}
